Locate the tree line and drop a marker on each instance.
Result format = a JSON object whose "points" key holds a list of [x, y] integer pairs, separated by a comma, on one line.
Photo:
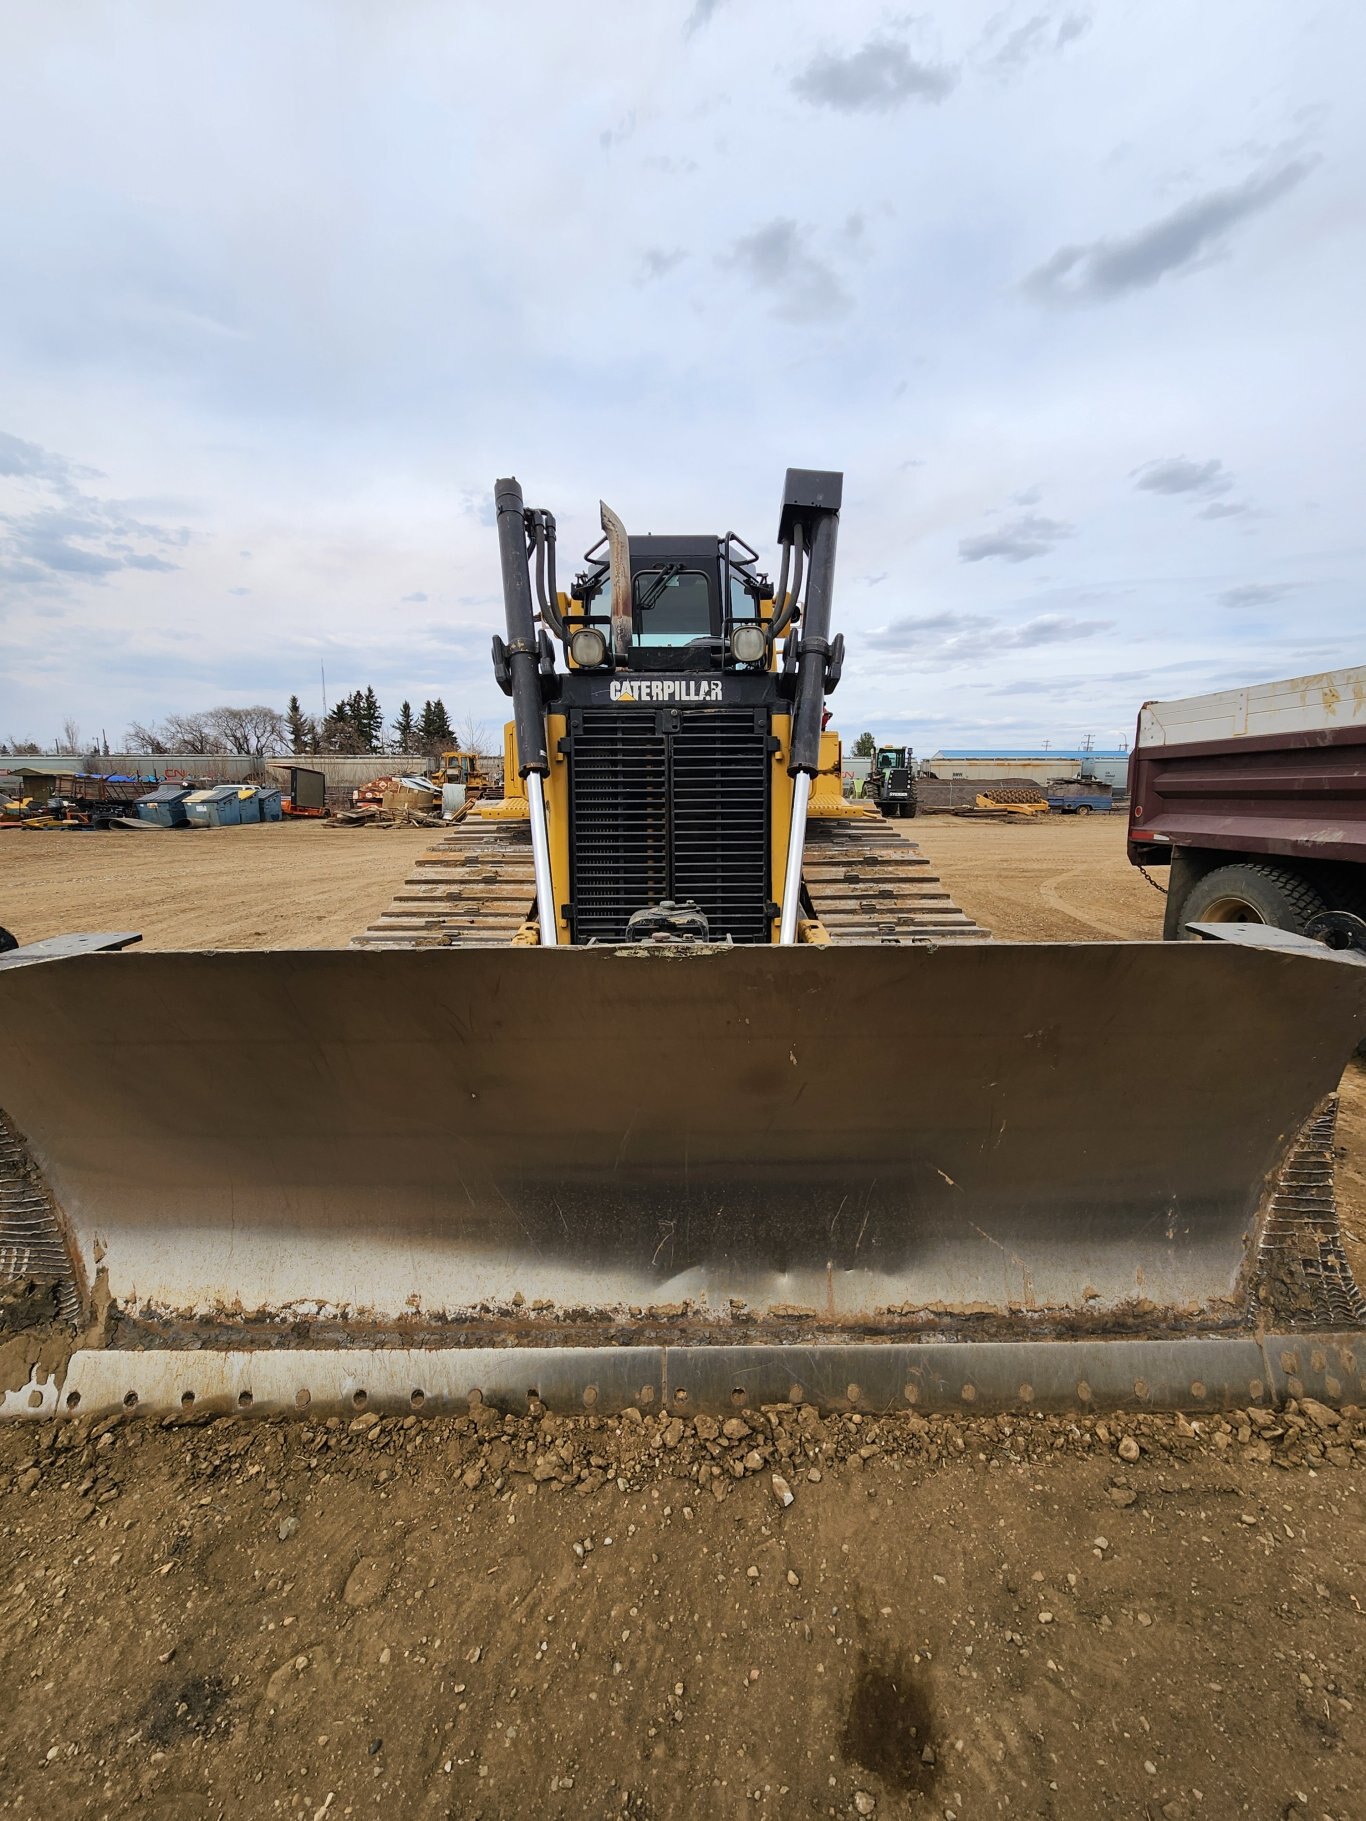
{"points": [[356, 724]]}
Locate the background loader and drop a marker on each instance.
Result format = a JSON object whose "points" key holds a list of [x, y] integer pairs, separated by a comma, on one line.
{"points": [[659, 987], [891, 781]]}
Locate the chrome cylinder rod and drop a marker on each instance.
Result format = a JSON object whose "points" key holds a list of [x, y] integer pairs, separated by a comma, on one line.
{"points": [[796, 844], [540, 859]]}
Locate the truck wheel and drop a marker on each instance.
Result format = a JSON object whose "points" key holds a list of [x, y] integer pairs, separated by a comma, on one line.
{"points": [[1247, 893]]}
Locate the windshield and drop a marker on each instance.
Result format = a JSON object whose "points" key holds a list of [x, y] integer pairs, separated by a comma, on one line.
{"points": [[672, 606]]}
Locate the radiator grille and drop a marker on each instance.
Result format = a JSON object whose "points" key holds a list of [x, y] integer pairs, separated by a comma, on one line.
{"points": [[669, 804]]}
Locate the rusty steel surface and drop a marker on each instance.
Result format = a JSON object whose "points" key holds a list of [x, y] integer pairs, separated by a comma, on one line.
{"points": [[1064, 1137]]}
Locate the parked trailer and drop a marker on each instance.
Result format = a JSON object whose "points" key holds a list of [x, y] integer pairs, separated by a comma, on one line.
{"points": [[1255, 799]]}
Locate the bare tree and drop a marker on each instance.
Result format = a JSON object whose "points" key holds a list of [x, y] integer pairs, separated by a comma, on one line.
{"points": [[250, 731], [145, 739], [22, 749], [473, 734], [190, 733], [70, 741]]}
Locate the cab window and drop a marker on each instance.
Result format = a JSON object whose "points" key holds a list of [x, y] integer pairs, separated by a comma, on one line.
{"points": [[671, 606]]}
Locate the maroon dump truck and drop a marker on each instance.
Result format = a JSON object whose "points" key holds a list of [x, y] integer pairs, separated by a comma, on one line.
{"points": [[1255, 800]]}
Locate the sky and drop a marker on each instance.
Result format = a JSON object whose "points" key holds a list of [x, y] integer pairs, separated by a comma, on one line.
{"points": [[1071, 293]]}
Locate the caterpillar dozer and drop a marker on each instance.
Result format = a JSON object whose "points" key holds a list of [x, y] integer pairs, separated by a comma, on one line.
{"points": [[671, 1079]]}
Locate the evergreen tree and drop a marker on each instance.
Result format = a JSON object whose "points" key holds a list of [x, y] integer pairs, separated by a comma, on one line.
{"points": [[405, 729], [371, 720], [302, 735], [434, 727], [865, 746]]}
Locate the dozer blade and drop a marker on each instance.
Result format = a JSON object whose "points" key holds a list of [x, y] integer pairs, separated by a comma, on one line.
{"points": [[802, 1148]]}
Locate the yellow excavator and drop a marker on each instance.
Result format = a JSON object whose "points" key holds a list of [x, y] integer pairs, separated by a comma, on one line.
{"points": [[672, 1080]]}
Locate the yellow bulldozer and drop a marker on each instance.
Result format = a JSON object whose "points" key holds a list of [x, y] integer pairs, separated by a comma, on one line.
{"points": [[461, 782], [672, 1080]]}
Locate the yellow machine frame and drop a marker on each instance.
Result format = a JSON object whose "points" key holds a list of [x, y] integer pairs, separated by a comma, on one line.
{"points": [[827, 803]]}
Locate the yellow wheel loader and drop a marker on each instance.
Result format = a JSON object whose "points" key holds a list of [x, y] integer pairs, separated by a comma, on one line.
{"points": [[673, 1080]]}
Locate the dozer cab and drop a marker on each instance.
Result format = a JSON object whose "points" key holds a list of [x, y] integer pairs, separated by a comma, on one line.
{"points": [[891, 781], [596, 1114]]}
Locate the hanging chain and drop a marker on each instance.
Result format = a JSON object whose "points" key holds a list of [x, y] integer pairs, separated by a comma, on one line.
{"points": [[1153, 882]]}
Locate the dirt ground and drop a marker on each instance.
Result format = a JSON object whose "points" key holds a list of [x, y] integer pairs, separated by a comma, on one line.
{"points": [[275, 885], [489, 1617]]}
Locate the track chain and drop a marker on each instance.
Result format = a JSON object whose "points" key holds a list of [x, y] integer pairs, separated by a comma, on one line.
{"points": [[476, 888]]}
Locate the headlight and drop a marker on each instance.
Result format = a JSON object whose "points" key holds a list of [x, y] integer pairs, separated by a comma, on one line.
{"points": [[748, 644], [587, 647]]}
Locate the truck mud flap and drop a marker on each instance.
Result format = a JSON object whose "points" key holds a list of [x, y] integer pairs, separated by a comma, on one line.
{"points": [[580, 1147]]}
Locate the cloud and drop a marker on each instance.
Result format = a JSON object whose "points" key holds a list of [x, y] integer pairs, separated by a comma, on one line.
{"points": [[804, 288], [1016, 541], [20, 460], [1027, 496], [879, 77], [1051, 629], [1225, 509], [418, 597], [1176, 474], [658, 262], [951, 637], [1254, 594], [1188, 237], [702, 13], [78, 538], [1037, 37], [922, 631], [618, 134], [239, 591]]}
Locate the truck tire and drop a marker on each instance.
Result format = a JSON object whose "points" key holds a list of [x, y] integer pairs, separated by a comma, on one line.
{"points": [[1250, 893], [7, 941]]}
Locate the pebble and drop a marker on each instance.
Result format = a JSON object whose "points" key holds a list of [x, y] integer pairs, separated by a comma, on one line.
{"points": [[1121, 1496], [793, 1578], [287, 1528], [864, 1802], [1128, 1449], [782, 1491]]}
